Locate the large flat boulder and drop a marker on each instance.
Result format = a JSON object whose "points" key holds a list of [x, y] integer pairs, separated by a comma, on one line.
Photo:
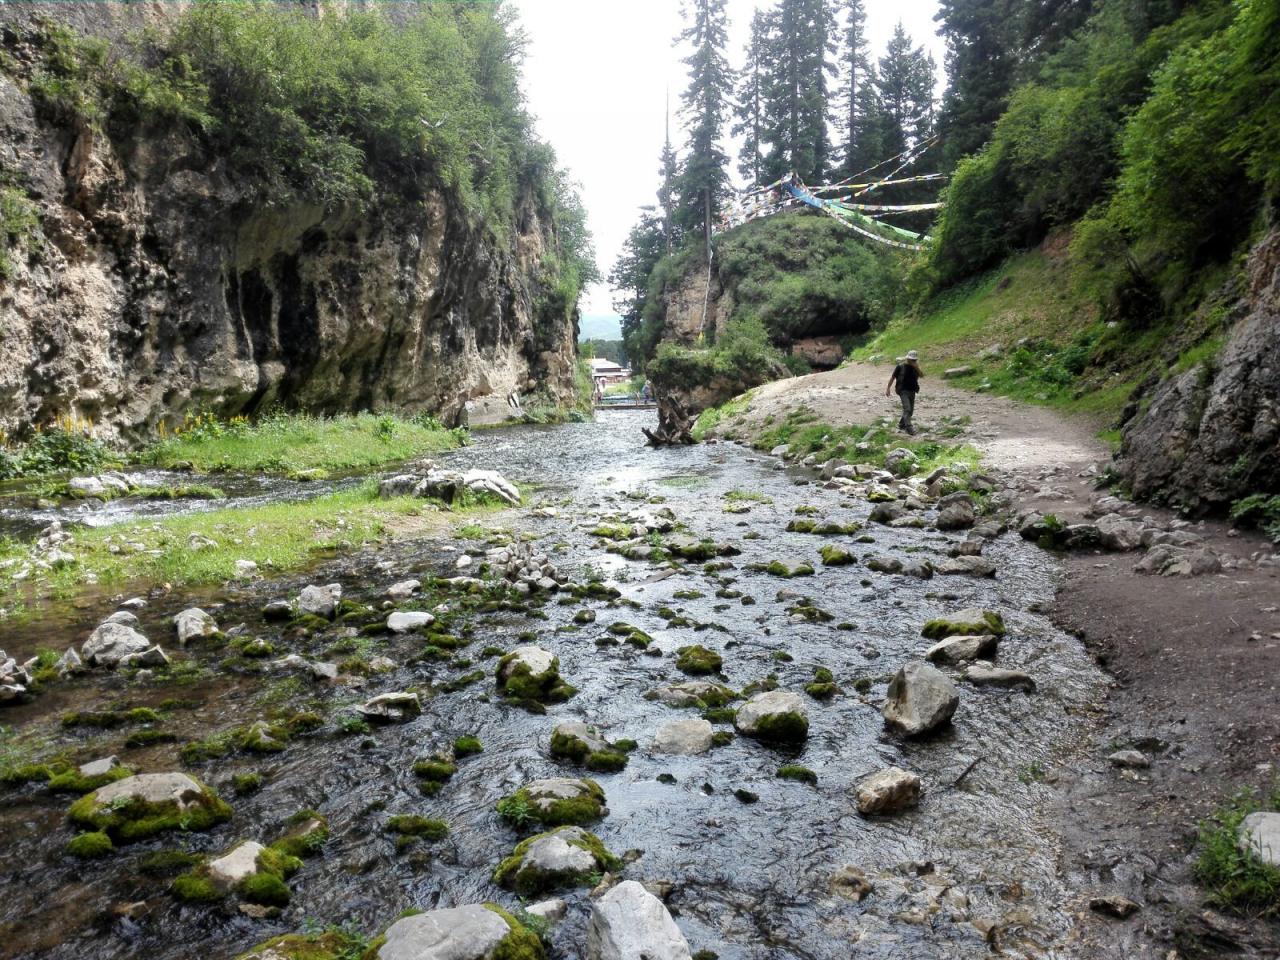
{"points": [[473, 932], [111, 642]]}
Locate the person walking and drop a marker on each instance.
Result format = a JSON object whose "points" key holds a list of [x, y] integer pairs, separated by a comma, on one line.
{"points": [[907, 376]]}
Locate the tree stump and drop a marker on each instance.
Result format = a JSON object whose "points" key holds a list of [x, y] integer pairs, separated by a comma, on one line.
{"points": [[675, 425]]}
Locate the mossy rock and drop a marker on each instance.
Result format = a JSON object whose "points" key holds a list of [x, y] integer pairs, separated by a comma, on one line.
{"points": [[91, 845], [794, 771], [146, 804], [422, 828], [801, 526], [834, 556], [474, 930], [306, 836], [566, 857], [433, 773], [530, 674], [584, 616], [71, 781], [697, 660], [777, 568], [630, 634], [970, 622], [467, 746], [557, 801], [332, 944], [583, 744]]}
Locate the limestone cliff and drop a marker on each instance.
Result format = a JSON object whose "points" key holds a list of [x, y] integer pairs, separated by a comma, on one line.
{"points": [[1211, 435], [155, 282]]}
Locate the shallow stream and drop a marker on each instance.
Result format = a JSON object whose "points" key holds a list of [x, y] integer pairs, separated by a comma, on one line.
{"points": [[750, 879]]}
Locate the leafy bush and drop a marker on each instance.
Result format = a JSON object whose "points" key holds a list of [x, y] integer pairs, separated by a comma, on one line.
{"points": [[1237, 879], [18, 221], [744, 357], [54, 451], [1259, 510]]}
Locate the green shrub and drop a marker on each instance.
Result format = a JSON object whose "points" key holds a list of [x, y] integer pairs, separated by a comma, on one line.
{"points": [[1237, 879]]}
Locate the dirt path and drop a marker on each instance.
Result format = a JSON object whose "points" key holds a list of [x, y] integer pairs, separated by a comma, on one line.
{"points": [[1195, 662]]}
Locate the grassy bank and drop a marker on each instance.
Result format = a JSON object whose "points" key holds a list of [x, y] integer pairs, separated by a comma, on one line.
{"points": [[204, 548], [295, 444], [1030, 331]]}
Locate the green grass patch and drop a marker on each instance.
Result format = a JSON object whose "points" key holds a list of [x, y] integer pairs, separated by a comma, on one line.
{"points": [[204, 547], [297, 444], [1237, 879]]}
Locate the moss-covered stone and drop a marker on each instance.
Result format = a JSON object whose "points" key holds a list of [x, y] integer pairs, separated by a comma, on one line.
{"points": [[521, 944], [518, 681], [525, 870], [969, 622], [697, 660], [777, 568], [91, 845], [466, 746], [834, 556], [794, 771], [132, 809], [555, 802], [433, 773], [196, 888]]}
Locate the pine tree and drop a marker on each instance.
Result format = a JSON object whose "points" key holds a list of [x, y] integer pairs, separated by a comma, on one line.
{"points": [[644, 247], [799, 63], [750, 110], [703, 181], [981, 59], [856, 76], [905, 88], [667, 171]]}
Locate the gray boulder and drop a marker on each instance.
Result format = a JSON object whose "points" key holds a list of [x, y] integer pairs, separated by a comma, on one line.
{"points": [[777, 715], [317, 601], [392, 707], [684, 737], [472, 932], [921, 699], [887, 791], [630, 923], [1119, 534], [1259, 834], [192, 624], [112, 642], [968, 566], [404, 621]]}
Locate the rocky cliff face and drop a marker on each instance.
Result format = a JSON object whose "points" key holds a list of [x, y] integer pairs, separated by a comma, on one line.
{"points": [[1211, 435], [155, 284]]}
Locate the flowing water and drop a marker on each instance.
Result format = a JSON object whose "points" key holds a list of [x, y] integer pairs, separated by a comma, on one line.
{"points": [[750, 880]]}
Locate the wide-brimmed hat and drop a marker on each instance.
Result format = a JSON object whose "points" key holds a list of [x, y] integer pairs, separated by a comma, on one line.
{"points": [[912, 355]]}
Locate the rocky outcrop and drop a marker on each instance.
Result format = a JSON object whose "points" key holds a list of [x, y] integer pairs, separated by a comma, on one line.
{"points": [[156, 282], [1211, 435]]}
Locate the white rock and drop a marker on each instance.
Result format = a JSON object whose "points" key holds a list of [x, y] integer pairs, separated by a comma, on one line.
{"points": [[959, 649], [86, 487], [1260, 834], [472, 932], [398, 705], [403, 622], [684, 737], [318, 601], [403, 589], [175, 788], [630, 923], [229, 869], [552, 910], [1132, 759], [192, 624], [888, 791], [246, 569]]}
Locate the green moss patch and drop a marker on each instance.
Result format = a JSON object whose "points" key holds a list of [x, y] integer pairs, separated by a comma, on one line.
{"points": [[433, 773], [967, 623], [697, 660], [90, 846], [834, 556], [794, 771], [70, 781]]}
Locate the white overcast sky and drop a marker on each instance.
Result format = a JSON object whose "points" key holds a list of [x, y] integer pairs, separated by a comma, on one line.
{"points": [[596, 76]]}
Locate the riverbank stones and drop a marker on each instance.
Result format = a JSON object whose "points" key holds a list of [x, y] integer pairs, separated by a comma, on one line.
{"points": [[630, 923], [921, 698], [986, 675], [777, 716], [692, 693]]}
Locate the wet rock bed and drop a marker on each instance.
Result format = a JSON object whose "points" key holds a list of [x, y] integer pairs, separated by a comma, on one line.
{"points": [[752, 860]]}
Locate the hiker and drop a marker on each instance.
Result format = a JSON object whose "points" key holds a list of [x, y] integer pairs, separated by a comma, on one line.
{"points": [[907, 376], [646, 392]]}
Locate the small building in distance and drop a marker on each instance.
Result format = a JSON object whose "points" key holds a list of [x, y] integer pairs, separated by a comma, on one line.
{"points": [[606, 371]]}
